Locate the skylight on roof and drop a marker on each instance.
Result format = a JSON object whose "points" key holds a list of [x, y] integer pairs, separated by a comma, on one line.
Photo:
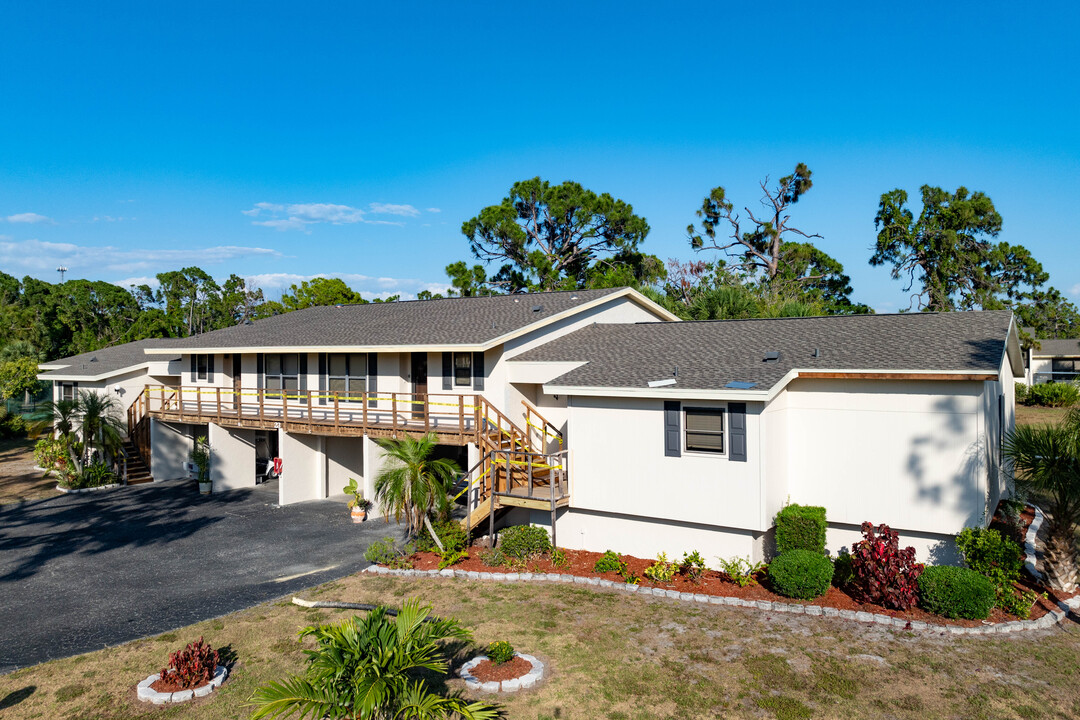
{"points": [[740, 385], [662, 383]]}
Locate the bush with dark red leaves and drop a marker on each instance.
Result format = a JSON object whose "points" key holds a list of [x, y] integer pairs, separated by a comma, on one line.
{"points": [[193, 666], [882, 572]]}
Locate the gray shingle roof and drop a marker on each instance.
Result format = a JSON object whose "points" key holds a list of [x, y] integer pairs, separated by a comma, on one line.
{"points": [[450, 321], [1058, 348], [711, 354], [108, 359]]}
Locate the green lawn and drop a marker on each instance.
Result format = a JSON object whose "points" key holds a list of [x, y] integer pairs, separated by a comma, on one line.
{"points": [[611, 656]]}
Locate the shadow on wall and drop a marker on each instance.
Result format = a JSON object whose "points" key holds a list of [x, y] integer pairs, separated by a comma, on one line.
{"points": [[961, 489], [153, 514]]}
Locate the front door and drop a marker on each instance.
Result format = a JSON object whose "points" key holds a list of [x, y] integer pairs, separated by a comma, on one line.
{"points": [[419, 384]]}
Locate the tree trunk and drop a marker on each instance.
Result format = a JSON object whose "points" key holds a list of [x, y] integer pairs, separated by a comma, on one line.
{"points": [[431, 530], [1059, 561]]}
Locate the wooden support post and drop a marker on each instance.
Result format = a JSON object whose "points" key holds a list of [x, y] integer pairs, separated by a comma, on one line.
{"points": [[491, 521], [427, 414], [310, 420], [337, 415], [364, 405], [461, 418], [528, 460], [554, 543], [180, 400], [262, 410], [218, 391], [198, 402], [393, 412]]}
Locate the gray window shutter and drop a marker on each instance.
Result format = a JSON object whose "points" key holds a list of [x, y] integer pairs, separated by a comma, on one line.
{"points": [[672, 430], [322, 378], [194, 367], [478, 371], [302, 372], [260, 371], [373, 377], [737, 432], [209, 368], [448, 371]]}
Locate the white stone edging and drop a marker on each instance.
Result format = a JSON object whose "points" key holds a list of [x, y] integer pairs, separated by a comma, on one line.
{"points": [[1029, 543], [148, 694], [525, 681], [76, 491], [1046, 621]]}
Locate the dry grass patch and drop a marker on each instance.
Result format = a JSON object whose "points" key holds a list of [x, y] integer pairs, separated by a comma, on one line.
{"points": [[1036, 415], [18, 478], [610, 656]]}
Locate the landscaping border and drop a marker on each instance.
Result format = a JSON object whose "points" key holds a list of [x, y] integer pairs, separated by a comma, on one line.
{"points": [[148, 694], [1030, 538], [526, 681], [76, 491], [1048, 620]]}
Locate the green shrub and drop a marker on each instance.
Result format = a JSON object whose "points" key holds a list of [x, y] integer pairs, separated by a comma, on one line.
{"points": [[500, 652], [12, 425], [692, 566], [802, 574], [956, 592], [800, 527], [1022, 392], [451, 558], [842, 572], [92, 476], [450, 533], [493, 558], [558, 558], [1053, 394], [989, 553], [1017, 602], [49, 453], [661, 571], [381, 552], [628, 576], [524, 542], [740, 570], [608, 562]]}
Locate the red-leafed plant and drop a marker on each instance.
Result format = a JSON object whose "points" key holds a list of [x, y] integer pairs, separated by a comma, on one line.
{"points": [[191, 667], [882, 572]]}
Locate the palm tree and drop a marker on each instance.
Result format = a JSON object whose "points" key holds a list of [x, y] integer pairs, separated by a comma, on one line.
{"points": [[413, 483], [61, 416], [102, 427], [1046, 460], [372, 668]]}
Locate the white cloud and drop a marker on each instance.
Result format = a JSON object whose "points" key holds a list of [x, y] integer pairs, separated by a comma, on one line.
{"points": [[298, 216], [1075, 290], [130, 282], [391, 209], [274, 284], [434, 210], [30, 217], [109, 218], [39, 256]]}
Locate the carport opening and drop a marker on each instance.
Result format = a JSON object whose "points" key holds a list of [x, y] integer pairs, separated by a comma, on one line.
{"points": [[266, 449]]}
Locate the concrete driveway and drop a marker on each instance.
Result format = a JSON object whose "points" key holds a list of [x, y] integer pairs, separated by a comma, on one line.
{"points": [[80, 572]]}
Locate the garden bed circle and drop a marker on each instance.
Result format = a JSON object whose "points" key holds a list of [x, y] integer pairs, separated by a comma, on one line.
{"points": [[76, 491], [148, 694], [527, 680]]}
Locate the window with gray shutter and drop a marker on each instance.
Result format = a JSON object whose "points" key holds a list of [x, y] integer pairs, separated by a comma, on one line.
{"points": [[373, 378], [705, 430], [478, 371], [448, 371]]}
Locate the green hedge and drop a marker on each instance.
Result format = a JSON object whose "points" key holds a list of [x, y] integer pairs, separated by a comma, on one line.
{"points": [[802, 574], [800, 527], [956, 592], [450, 533], [524, 542], [1053, 394]]}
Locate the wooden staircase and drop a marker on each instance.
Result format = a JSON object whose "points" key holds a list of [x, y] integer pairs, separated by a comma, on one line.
{"points": [[137, 471], [515, 469]]}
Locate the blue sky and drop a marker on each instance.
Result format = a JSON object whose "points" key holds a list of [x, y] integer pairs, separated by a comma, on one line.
{"points": [[280, 141]]}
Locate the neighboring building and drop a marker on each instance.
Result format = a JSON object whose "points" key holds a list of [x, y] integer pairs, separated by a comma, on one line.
{"points": [[592, 413], [1053, 361]]}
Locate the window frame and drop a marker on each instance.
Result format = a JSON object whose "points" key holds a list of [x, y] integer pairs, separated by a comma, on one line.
{"points": [[715, 410], [469, 365], [202, 366], [281, 375], [67, 386], [350, 378]]}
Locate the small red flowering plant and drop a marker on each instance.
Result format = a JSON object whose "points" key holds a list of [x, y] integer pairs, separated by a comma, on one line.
{"points": [[191, 667], [883, 573]]}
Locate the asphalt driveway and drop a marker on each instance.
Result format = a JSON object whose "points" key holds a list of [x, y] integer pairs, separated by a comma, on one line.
{"points": [[81, 572]]}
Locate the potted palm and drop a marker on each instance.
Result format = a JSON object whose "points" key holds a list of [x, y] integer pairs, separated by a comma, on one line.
{"points": [[200, 458], [358, 504]]}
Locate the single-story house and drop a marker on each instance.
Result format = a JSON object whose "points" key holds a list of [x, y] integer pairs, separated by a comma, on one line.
{"points": [[599, 415], [1053, 360]]}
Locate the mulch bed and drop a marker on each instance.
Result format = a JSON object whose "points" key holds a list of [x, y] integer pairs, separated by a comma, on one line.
{"points": [[581, 562], [169, 686], [487, 671]]}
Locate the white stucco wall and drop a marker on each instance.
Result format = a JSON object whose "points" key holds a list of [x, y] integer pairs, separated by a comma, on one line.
{"points": [[170, 444], [618, 467], [344, 460], [232, 457], [906, 453], [303, 471]]}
